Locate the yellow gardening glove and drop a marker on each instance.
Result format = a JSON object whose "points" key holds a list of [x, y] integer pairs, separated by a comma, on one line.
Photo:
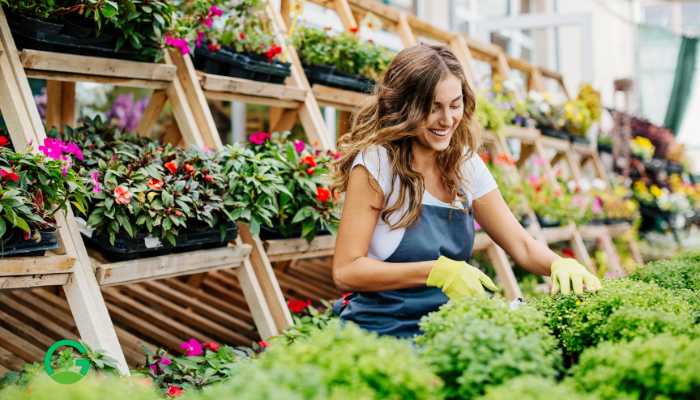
{"points": [[457, 279], [567, 273]]}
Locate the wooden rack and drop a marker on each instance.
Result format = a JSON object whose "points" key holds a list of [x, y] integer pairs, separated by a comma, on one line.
{"points": [[134, 309]]}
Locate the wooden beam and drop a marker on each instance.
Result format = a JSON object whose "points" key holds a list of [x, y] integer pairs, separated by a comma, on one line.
{"points": [[282, 119], [151, 114], [405, 32], [50, 264], [342, 8]]}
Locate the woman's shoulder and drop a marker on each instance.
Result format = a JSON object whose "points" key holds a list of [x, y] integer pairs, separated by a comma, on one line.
{"points": [[375, 159]]}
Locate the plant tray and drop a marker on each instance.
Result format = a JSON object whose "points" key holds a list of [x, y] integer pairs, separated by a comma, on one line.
{"points": [[555, 133], [227, 62], [605, 148], [546, 222], [329, 76], [579, 139], [15, 245], [273, 234], [141, 246], [66, 37]]}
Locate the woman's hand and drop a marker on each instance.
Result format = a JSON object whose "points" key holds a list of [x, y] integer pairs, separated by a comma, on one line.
{"points": [[567, 273], [457, 279]]}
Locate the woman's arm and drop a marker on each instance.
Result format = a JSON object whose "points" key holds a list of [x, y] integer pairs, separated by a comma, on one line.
{"points": [[498, 221], [352, 269]]}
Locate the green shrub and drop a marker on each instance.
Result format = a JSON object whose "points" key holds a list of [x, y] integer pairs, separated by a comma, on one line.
{"points": [[532, 388], [474, 344], [676, 273], [93, 387], [621, 311], [338, 362], [662, 367]]}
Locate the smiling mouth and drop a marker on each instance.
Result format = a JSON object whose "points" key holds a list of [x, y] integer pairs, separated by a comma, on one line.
{"points": [[440, 132]]}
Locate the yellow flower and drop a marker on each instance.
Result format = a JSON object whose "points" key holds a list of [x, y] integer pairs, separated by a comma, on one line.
{"points": [[656, 191]]}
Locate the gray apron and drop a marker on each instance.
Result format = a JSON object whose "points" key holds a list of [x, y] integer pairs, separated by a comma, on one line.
{"points": [[439, 231]]}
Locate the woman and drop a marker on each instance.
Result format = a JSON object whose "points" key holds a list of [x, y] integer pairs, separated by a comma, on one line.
{"points": [[413, 187]]}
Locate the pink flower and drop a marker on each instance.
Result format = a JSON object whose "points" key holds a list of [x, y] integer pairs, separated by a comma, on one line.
{"points": [[95, 178], [299, 146], [215, 11], [155, 184], [192, 348], [539, 161], [165, 361], [259, 137], [200, 38], [477, 226], [597, 206], [208, 22], [178, 43], [122, 195]]}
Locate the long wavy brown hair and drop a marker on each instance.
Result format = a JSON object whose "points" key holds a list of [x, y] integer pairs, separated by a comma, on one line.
{"points": [[400, 104]]}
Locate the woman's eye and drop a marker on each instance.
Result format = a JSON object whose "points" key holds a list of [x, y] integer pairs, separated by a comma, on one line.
{"points": [[457, 107]]}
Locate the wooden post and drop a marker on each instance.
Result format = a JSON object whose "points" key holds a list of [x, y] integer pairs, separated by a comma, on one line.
{"points": [[150, 116]]}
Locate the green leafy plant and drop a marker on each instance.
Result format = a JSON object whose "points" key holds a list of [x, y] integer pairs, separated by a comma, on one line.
{"points": [[554, 201], [621, 311], [533, 388], [338, 362], [33, 188], [344, 51], [308, 205], [307, 320], [247, 30], [477, 343], [513, 194], [661, 367], [203, 364], [93, 387], [488, 114]]}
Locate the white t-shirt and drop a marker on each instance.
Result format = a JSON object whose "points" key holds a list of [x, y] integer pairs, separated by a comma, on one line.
{"points": [[478, 182]]}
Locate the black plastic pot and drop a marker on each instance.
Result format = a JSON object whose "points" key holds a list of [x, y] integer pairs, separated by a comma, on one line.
{"points": [[227, 62], [546, 222], [605, 148], [579, 139], [329, 76], [598, 221], [14, 244], [274, 234], [555, 133], [74, 36], [525, 220], [127, 248]]}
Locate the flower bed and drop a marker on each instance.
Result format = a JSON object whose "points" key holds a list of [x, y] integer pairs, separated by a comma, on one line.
{"points": [[118, 29], [33, 188], [341, 61]]}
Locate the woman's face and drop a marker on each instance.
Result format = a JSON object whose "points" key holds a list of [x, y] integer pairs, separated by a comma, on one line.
{"points": [[445, 115]]}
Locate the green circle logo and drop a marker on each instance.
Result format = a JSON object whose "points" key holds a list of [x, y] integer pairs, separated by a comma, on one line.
{"points": [[67, 375]]}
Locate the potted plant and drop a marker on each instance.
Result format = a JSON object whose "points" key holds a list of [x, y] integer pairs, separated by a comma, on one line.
{"points": [[123, 29], [307, 207], [548, 116], [489, 115], [341, 61], [514, 195], [150, 199], [555, 204], [581, 113], [242, 46], [33, 188], [605, 144]]}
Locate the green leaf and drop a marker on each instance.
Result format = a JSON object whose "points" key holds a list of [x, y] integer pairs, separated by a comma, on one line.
{"points": [[3, 227]]}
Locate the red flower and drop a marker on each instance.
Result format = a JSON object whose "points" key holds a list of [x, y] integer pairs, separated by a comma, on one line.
{"points": [[189, 169], [568, 252], [310, 171], [263, 344], [171, 166], [354, 29], [323, 194], [213, 47], [241, 35], [178, 213], [309, 160], [213, 346], [505, 159], [9, 175], [155, 184], [4, 141], [208, 178], [273, 51], [174, 391], [298, 306], [345, 296]]}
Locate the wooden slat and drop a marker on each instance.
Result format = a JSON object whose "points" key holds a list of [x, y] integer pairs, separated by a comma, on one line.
{"points": [[27, 281], [558, 234], [521, 133], [264, 101], [106, 80], [347, 100], [170, 265], [95, 66], [152, 112], [51, 264], [218, 83], [284, 249], [556, 144]]}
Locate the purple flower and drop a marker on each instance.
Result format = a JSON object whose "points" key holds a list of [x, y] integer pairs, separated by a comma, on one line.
{"points": [[126, 113], [299, 146], [95, 178], [154, 368], [192, 348]]}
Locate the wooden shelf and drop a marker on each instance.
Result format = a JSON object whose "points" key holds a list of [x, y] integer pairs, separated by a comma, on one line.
{"points": [[228, 88], [519, 132], [290, 249], [71, 67], [618, 229], [169, 265], [558, 234], [49, 264], [559, 145], [346, 100]]}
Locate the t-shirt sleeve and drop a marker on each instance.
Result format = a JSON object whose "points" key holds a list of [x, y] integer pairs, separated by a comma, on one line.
{"points": [[479, 180], [376, 160]]}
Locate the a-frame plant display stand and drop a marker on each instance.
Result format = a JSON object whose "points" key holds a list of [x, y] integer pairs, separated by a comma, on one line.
{"points": [[138, 306]]}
